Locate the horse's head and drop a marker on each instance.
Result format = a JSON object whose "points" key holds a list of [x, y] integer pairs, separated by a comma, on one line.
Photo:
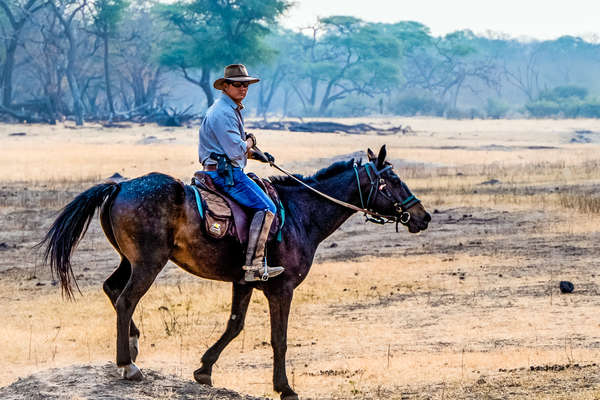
{"points": [[388, 195]]}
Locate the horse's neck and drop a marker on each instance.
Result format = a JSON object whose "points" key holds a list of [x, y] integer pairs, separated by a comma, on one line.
{"points": [[320, 217]]}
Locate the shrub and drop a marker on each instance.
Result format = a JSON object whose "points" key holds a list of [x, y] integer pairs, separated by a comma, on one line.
{"points": [[543, 108], [571, 107], [564, 92], [353, 106], [416, 105], [496, 108], [461, 113], [590, 109]]}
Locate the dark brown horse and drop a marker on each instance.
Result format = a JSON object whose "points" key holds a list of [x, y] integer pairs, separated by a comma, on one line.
{"points": [[153, 219]]}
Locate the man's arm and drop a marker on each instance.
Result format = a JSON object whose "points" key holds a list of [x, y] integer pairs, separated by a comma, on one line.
{"points": [[228, 136]]}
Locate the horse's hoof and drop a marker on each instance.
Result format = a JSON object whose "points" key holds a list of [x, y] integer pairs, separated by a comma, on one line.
{"points": [[133, 347], [202, 378], [290, 397], [132, 373]]}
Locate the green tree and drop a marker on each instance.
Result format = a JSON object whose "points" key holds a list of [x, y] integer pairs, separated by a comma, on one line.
{"points": [[209, 34], [343, 56]]}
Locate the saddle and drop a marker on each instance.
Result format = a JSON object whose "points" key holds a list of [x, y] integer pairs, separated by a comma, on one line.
{"points": [[224, 217]]}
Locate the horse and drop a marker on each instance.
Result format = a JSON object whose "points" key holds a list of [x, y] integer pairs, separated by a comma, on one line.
{"points": [[154, 218]]}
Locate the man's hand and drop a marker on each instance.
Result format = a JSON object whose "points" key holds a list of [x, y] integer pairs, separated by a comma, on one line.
{"points": [[269, 157], [256, 154], [250, 140]]}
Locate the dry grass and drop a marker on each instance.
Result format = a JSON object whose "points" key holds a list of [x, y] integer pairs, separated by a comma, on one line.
{"points": [[436, 319], [367, 328]]}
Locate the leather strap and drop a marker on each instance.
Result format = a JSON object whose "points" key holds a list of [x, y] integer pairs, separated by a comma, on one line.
{"points": [[334, 200]]}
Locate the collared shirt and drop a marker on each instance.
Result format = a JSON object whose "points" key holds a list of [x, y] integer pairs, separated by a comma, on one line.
{"points": [[222, 132]]}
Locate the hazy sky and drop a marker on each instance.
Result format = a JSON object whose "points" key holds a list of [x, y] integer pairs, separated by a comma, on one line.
{"points": [[541, 19]]}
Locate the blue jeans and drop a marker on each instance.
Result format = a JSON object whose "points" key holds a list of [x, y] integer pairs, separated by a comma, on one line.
{"points": [[244, 191]]}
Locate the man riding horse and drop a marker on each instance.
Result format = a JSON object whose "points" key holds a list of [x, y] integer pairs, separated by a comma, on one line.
{"points": [[224, 148], [152, 219]]}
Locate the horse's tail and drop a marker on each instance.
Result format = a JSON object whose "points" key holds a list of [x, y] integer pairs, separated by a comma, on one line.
{"points": [[68, 229]]}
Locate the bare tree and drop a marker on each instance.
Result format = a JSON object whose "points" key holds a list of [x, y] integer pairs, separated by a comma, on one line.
{"points": [[17, 16], [66, 11], [139, 75], [525, 76]]}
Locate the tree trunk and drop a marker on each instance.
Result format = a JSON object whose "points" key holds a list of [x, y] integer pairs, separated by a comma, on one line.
{"points": [[327, 97], [265, 100], [459, 84], [7, 72], [72, 80], [11, 49], [204, 84], [109, 97], [137, 85], [76, 95], [71, 61], [207, 87], [286, 99], [314, 85]]}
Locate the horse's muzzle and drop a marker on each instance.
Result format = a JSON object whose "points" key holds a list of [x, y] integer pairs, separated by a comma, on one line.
{"points": [[417, 223]]}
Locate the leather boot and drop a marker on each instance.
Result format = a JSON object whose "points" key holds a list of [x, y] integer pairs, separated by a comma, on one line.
{"points": [[256, 263]]}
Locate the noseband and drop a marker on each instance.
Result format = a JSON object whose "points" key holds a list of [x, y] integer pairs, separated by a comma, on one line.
{"points": [[379, 187]]}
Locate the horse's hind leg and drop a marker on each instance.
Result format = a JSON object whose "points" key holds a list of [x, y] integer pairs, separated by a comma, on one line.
{"points": [[113, 287], [142, 276], [239, 306]]}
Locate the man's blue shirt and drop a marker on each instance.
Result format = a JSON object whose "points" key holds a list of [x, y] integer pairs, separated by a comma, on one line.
{"points": [[222, 132]]}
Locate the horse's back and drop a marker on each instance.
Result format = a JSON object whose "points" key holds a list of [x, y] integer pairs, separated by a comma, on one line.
{"points": [[144, 215], [153, 188]]}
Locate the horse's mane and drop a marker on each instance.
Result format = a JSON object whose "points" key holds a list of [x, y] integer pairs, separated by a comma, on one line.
{"points": [[324, 173]]}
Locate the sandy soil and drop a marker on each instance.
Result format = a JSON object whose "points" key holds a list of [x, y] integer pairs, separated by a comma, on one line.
{"points": [[469, 309], [103, 382]]}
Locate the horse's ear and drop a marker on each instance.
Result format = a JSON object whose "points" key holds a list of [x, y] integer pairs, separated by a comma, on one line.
{"points": [[381, 157], [371, 155]]}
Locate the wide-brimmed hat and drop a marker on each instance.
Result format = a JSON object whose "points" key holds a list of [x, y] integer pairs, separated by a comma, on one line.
{"points": [[236, 73]]}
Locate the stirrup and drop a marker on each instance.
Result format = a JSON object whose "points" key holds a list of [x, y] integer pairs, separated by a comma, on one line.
{"points": [[261, 273]]}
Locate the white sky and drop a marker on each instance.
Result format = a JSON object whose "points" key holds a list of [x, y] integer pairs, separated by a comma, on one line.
{"points": [[539, 19]]}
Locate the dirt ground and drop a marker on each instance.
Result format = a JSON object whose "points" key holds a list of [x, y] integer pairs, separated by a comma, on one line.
{"points": [[469, 309]]}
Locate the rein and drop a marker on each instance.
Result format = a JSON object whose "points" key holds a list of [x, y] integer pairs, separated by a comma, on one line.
{"points": [[376, 189]]}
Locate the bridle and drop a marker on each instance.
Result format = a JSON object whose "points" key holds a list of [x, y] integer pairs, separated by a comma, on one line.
{"points": [[378, 187]]}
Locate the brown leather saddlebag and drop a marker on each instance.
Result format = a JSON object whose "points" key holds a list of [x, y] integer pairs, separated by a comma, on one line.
{"points": [[217, 215]]}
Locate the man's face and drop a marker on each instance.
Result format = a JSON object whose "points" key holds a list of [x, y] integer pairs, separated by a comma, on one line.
{"points": [[237, 94]]}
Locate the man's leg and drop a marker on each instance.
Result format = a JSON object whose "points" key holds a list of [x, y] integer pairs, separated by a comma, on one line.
{"points": [[246, 192], [256, 261]]}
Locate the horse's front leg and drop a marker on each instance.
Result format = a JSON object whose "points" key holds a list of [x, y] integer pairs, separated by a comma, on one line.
{"points": [[239, 306], [279, 308]]}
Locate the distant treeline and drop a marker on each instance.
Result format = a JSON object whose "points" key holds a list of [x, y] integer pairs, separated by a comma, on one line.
{"points": [[120, 60]]}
